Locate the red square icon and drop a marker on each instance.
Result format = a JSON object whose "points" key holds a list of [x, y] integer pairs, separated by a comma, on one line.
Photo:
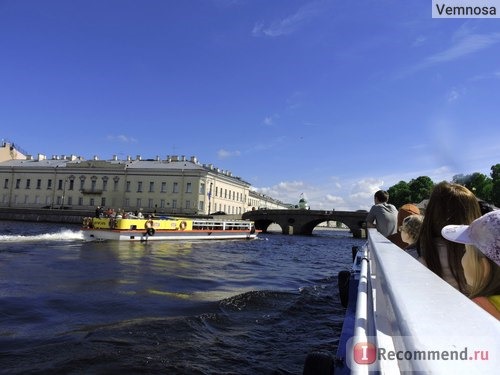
{"points": [[364, 353]]}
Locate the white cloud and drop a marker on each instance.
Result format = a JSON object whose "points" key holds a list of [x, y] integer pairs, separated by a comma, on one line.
{"points": [[463, 44], [455, 94], [270, 120], [420, 40], [349, 196], [224, 154], [121, 138], [333, 199], [467, 45], [290, 24]]}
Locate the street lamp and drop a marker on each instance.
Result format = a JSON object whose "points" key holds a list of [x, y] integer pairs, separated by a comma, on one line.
{"points": [[210, 198]]}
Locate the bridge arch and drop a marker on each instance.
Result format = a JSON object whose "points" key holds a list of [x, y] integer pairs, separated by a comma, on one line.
{"points": [[304, 221]]}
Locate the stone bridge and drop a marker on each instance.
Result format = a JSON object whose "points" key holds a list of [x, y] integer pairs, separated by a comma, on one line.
{"points": [[304, 221]]}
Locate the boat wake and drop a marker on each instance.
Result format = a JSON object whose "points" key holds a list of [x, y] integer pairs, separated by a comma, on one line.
{"points": [[63, 235]]}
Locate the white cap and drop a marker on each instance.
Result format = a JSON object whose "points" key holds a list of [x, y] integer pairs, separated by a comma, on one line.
{"points": [[483, 233]]}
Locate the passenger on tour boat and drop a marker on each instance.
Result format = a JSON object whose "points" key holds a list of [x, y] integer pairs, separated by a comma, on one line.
{"points": [[404, 211], [410, 232], [449, 204], [382, 215], [481, 261]]}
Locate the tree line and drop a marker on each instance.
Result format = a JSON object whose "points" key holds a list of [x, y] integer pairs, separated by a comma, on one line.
{"points": [[486, 188]]}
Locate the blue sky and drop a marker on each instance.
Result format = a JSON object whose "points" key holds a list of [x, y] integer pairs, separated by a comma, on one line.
{"points": [[332, 99]]}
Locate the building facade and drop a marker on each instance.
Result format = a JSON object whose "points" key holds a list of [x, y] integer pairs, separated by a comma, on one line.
{"points": [[174, 185]]}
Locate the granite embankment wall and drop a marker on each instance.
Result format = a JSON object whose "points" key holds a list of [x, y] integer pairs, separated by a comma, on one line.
{"points": [[44, 215], [65, 216]]}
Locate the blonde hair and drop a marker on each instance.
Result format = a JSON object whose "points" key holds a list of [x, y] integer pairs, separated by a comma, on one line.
{"points": [[448, 204], [486, 280], [412, 225]]}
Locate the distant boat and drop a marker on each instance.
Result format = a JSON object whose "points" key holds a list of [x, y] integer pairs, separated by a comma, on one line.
{"points": [[166, 229]]}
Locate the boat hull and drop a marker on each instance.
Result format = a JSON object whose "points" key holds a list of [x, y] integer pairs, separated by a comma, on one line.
{"points": [[119, 235]]}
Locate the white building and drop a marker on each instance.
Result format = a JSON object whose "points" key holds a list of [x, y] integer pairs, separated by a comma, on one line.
{"points": [[173, 185]]}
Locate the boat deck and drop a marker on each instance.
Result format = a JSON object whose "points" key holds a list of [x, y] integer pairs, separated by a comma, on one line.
{"points": [[404, 318]]}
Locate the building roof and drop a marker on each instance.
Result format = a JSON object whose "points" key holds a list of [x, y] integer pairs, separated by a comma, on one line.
{"points": [[170, 163]]}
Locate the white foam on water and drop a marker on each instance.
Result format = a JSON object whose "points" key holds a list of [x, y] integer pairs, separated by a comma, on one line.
{"points": [[63, 235]]}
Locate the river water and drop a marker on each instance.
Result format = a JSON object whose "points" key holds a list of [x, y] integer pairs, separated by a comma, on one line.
{"points": [[222, 307]]}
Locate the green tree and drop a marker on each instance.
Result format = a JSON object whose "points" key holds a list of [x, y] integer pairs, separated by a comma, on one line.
{"points": [[480, 184], [495, 185], [399, 194], [420, 188]]}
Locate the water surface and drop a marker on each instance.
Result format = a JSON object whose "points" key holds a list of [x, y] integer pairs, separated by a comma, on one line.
{"points": [[222, 307]]}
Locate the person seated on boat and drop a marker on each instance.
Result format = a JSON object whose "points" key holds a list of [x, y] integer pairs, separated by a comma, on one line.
{"points": [[481, 261], [382, 215], [486, 207], [448, 204], [410, 231], [404, 211]]}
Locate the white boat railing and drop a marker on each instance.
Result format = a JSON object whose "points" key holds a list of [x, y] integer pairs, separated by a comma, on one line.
{"points": [[222, 224], [409, 319]]}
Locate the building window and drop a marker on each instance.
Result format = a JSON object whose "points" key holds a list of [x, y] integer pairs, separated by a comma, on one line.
{"points": [[70, 201], [150, 203], [39, 184], [80, 201], [189, 187], [151, 186], [18, 183], [28, 184], [201, 205], [202, 188], [163, 187], [127, 187], [139, 186], [103, 201], [59, 184], [6, 184], [92, 202], [138, 203], [115, 183], [174, 203], [104, 184], [82, 183], [175, 187], [188, 204], [162, 203], [93, 184]]}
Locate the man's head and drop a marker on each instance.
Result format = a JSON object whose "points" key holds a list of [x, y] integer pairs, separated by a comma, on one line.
{"points": [[381, 196]]}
